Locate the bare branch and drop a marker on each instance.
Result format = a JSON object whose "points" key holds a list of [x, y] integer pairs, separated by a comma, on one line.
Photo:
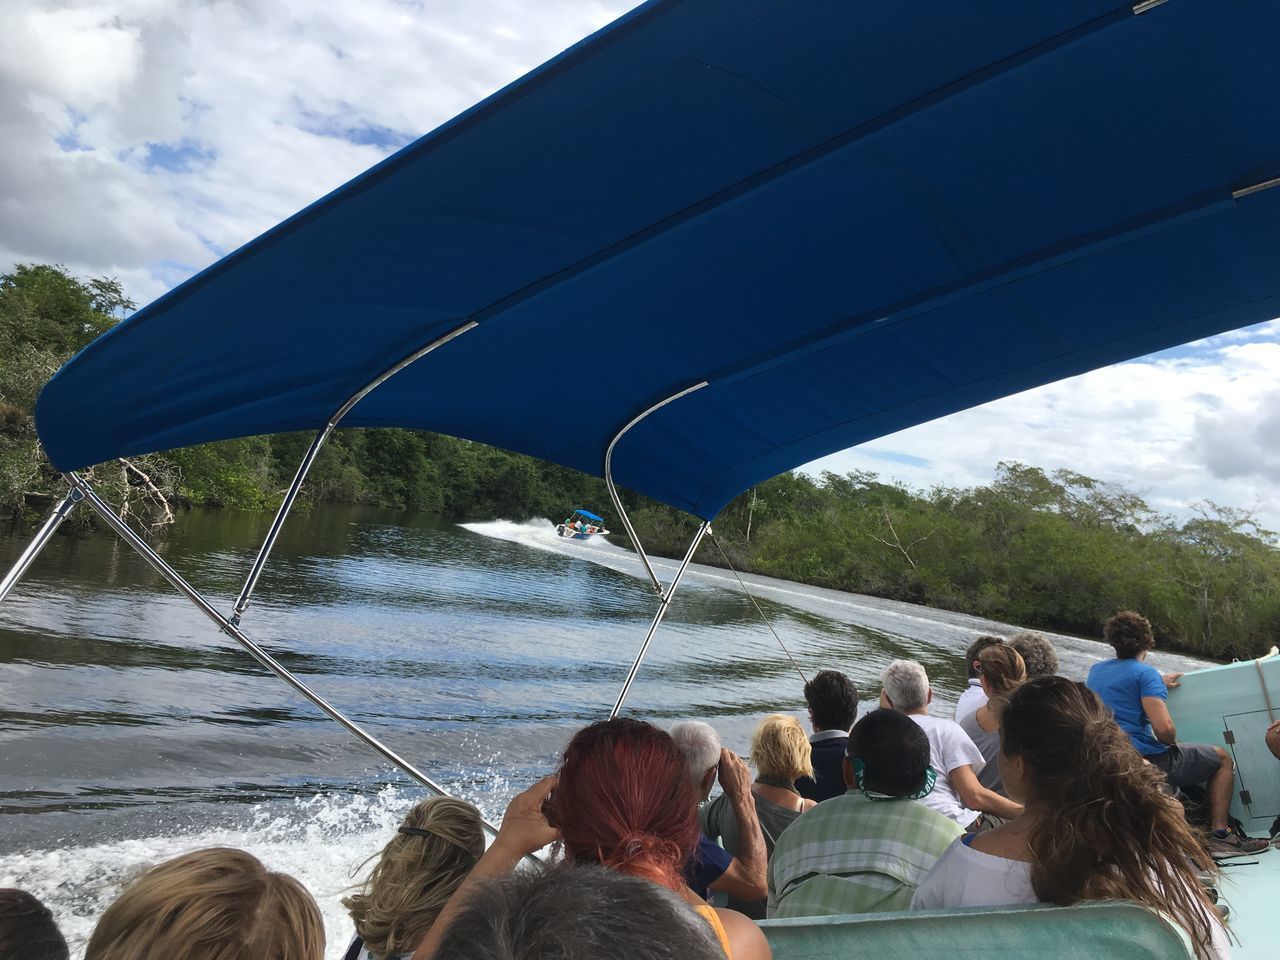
{"points": [[152, 488]]}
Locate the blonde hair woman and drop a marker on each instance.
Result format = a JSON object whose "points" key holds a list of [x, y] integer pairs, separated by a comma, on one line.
{"points": [[212, 904], [781, 753], [417, 872], [1001, 670]]}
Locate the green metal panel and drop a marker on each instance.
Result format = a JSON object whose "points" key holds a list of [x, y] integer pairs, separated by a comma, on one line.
{"points": [[1092, 932], [1211, 702], [1259, 793]]}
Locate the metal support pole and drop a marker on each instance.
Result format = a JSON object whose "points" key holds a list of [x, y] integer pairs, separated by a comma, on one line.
{"points": [[242, 602], [134, 540], [46, 532], [657, 617], [613, 491]]}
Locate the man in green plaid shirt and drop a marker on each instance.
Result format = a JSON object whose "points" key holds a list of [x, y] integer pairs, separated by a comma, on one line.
{"points": [[868, 850]]}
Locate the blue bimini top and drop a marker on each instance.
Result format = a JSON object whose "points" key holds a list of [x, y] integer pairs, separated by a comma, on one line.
{"points": [[588, 515], [844, 218]]}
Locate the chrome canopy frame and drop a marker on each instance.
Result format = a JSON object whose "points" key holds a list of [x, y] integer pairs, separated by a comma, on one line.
{"points": [[82, 490], [260, 562]]}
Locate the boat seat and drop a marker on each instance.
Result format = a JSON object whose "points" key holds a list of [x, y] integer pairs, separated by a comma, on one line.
{"points": [[1033, 932]]}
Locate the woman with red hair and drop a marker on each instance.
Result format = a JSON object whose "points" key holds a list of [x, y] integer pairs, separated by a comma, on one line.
{"points": [[623, 798]]}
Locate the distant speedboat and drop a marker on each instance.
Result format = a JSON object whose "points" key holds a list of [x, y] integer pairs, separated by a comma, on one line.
{"points": [[581, 525]]}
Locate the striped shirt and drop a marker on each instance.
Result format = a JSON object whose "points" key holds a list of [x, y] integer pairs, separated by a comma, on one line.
{"points": [[854, 855]]}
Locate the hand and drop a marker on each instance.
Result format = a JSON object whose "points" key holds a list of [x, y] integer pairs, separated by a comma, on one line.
{"points": [[1171, 680], [735, 778], [524, 827]]}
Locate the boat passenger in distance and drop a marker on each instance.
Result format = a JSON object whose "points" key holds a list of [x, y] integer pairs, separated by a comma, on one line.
{"points": [[780, 752], [622, 799], [27, 929], [867, 850], [1065, 757], [833, 708], [209, 905], [1036, 652], [417, 872], [1001, 670], [973, 697], [955, 758], [576, 912], [738, 873], [1135, 693]]}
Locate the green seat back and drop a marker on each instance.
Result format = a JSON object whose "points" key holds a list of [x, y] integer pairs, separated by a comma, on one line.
{"points": [[1091, 932]]}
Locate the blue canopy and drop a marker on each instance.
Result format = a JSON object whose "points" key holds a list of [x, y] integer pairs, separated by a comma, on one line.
{"points": [[847, 218], [588, 515]]}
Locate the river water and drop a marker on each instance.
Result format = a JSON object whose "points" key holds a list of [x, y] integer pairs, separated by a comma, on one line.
{"points": [[131, 731]]}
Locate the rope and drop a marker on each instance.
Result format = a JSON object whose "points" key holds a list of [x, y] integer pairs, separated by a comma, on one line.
{"points": [[716, 541], [1266, 694]]}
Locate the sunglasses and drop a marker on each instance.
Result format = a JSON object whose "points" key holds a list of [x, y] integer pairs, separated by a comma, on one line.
{"points": [[859, 770]]}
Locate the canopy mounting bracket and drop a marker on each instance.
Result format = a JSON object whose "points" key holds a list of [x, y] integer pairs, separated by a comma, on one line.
{"points": [[663, 605]]}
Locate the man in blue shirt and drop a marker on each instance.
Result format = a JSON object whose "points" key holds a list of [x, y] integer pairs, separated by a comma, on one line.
{"points": [[1136, 693], [712, 867]]}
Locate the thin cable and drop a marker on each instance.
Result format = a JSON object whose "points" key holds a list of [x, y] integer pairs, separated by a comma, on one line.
{"points": [[716, 541]]}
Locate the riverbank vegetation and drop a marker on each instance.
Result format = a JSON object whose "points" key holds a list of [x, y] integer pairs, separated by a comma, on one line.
{"points": [[1059, 550]]}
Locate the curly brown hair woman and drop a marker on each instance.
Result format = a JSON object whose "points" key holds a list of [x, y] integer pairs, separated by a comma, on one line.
{"points": [[1097, 825]]}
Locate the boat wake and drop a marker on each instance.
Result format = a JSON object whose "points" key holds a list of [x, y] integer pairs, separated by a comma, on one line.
{"points": [[541, 535], [324, 841]]}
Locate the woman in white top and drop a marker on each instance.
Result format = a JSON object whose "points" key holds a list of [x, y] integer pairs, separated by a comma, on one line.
{"points": [[1096, 827]]}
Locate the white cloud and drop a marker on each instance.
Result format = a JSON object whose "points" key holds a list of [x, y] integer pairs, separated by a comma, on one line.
{"points": [[143, 138], [1178, 427]]}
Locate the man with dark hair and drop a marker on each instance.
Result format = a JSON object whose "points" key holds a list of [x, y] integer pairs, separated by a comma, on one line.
{"points": [[868, 850], [833, 708], [27, 929], [973, 697], [1136, 692], [1036, 652], [576, 912]]}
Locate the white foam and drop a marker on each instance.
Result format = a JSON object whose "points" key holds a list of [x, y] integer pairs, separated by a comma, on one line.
{"points": [[322, 841], [541, 535]]}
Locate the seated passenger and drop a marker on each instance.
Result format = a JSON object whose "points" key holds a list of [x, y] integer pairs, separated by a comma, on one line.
{"points": [[780, 752], [1001, 670], [953, 756], [209, 905], [867, 850], [624, 800], [973, 697], [1065, 757], [576, 912], [417, 872], [1135, 693], [833, 710], [739, 873], [27, 929], [1036, 652]]}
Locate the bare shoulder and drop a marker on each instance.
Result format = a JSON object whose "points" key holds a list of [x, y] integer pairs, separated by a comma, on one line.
{"points": [[746, 939]]}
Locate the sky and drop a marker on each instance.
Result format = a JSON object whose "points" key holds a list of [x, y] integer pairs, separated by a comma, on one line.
{"points": [[144, 139]]}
